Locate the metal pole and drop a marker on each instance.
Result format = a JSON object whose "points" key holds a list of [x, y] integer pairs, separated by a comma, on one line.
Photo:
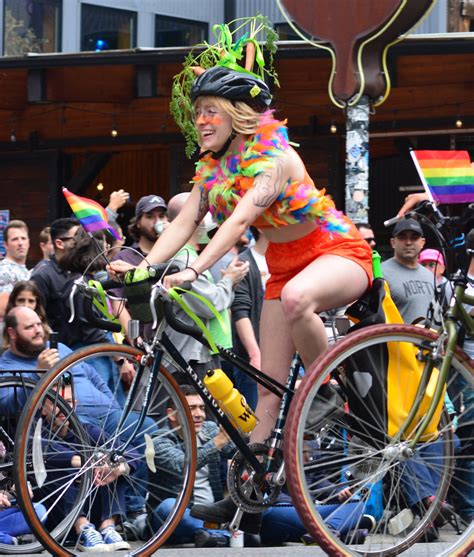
{"points": [[357, 161]]}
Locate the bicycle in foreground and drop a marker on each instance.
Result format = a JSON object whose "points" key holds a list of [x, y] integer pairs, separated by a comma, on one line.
{"points": [[340, 425]]}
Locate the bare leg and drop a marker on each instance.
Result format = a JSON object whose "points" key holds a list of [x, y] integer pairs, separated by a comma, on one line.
{"points": [[328, 282], [277, 351]]}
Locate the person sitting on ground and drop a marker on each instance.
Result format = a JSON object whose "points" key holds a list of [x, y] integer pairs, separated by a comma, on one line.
{"points": [[96, 404], [213, 446], [12, 521], [106, 503]]}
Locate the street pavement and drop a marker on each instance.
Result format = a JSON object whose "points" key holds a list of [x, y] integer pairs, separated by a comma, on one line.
{"points": [[293, 550]]}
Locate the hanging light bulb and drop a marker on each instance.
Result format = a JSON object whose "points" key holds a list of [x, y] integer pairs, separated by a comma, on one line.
{"points": [[100, 186], [458, 123], [333, 128], [13, 136], [114, 131]]}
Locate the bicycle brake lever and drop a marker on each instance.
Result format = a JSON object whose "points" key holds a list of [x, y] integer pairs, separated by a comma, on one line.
{"points": [[156, 290]]}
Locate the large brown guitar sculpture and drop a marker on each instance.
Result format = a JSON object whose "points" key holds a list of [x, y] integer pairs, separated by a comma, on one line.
{"points": [[359, 34]]}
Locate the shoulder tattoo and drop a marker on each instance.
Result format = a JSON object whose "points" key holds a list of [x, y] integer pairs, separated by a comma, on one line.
{"points": [[268, 185], [203, 207]]}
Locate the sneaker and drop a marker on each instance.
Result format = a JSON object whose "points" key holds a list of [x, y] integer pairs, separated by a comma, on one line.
{"points": [[91, 540], [113, 540], [367, 522]]}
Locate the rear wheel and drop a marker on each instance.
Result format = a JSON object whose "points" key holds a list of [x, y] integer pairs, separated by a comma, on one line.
{"points": [[118, 444], [342, 428]]}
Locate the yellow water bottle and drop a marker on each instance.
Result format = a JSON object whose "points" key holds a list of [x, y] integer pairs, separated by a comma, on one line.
{"points": [[230, 400]]}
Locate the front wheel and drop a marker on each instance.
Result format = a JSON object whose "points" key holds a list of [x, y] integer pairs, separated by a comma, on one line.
{"points": [[121, 467], [359, 487]]}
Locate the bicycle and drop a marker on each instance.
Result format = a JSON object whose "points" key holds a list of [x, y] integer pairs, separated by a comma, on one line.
{"points": [[376, 453], [14, 391], [339, 445]]}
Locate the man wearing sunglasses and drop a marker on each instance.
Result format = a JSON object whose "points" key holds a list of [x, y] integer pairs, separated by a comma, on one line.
{"points": [[52, 281]]}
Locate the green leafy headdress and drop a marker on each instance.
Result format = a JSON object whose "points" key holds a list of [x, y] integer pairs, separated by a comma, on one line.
{"points": [[223, 53]]}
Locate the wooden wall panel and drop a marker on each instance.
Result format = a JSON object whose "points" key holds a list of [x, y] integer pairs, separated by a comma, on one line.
{"points": [[13, 92], [445, 68], [24, 190], [140, 172], [81, 84]]}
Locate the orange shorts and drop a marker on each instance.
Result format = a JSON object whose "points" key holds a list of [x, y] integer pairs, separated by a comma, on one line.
{"points": [[287, 259]]}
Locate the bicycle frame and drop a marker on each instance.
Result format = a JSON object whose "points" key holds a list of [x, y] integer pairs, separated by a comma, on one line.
{"points": [[166, 346]]}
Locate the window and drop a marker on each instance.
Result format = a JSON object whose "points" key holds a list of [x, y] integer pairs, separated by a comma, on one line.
{"points": [[107, 28], [178, 32], [31, 26]]}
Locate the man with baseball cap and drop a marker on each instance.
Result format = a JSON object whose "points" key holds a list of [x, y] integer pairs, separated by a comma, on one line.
{"points": [[411, 285], [148, 223]]}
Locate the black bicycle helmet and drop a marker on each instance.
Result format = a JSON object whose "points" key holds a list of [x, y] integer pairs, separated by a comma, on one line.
{"points": [[232, 85]]}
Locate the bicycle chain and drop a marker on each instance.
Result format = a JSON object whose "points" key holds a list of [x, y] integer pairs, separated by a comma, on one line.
{"points": [[249, 496]]}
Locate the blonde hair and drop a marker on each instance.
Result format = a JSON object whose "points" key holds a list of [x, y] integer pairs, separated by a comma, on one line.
{"points": [[245, 119]]}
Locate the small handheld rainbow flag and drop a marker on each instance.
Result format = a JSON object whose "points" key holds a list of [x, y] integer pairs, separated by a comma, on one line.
{"points": [[91, 215], [447, 176]]}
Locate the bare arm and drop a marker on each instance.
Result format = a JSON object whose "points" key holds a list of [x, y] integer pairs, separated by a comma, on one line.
{"points": [[247, 337], [266, 189]]}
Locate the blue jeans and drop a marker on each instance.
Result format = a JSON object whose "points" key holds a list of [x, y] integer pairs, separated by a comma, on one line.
{"points": [[13, 523], [187, 527], [282, 524], [135, 497], [420, 475]]}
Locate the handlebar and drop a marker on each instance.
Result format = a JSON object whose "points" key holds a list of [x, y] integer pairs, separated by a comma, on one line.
{"points": [[94, 319]]}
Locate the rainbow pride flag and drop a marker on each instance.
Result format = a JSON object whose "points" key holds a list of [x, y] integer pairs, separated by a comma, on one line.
{"points": [[447, 175], [91, 215]]}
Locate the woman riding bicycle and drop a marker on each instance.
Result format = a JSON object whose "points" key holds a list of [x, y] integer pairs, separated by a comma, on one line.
{"points": [[249, 174]]}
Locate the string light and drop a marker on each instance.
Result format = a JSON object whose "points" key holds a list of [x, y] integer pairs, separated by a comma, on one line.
{"points": [[13, 136], [458, 123], [114, 131], [333, 128], [100, 186]]}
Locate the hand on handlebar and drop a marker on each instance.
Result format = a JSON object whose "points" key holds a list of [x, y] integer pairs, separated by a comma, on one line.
{"points": [[411, 201], [177, 279], [119, 268]]}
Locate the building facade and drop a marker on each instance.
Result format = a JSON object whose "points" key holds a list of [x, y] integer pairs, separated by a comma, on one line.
{"points": [[47, 26]]}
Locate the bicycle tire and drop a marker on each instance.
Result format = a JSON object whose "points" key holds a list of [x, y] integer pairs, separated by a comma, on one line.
{"points": [[10, 414], [148, 538], [366, 457]]}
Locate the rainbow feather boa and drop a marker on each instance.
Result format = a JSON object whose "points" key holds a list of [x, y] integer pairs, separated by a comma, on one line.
{"points": [[229, 178]]}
